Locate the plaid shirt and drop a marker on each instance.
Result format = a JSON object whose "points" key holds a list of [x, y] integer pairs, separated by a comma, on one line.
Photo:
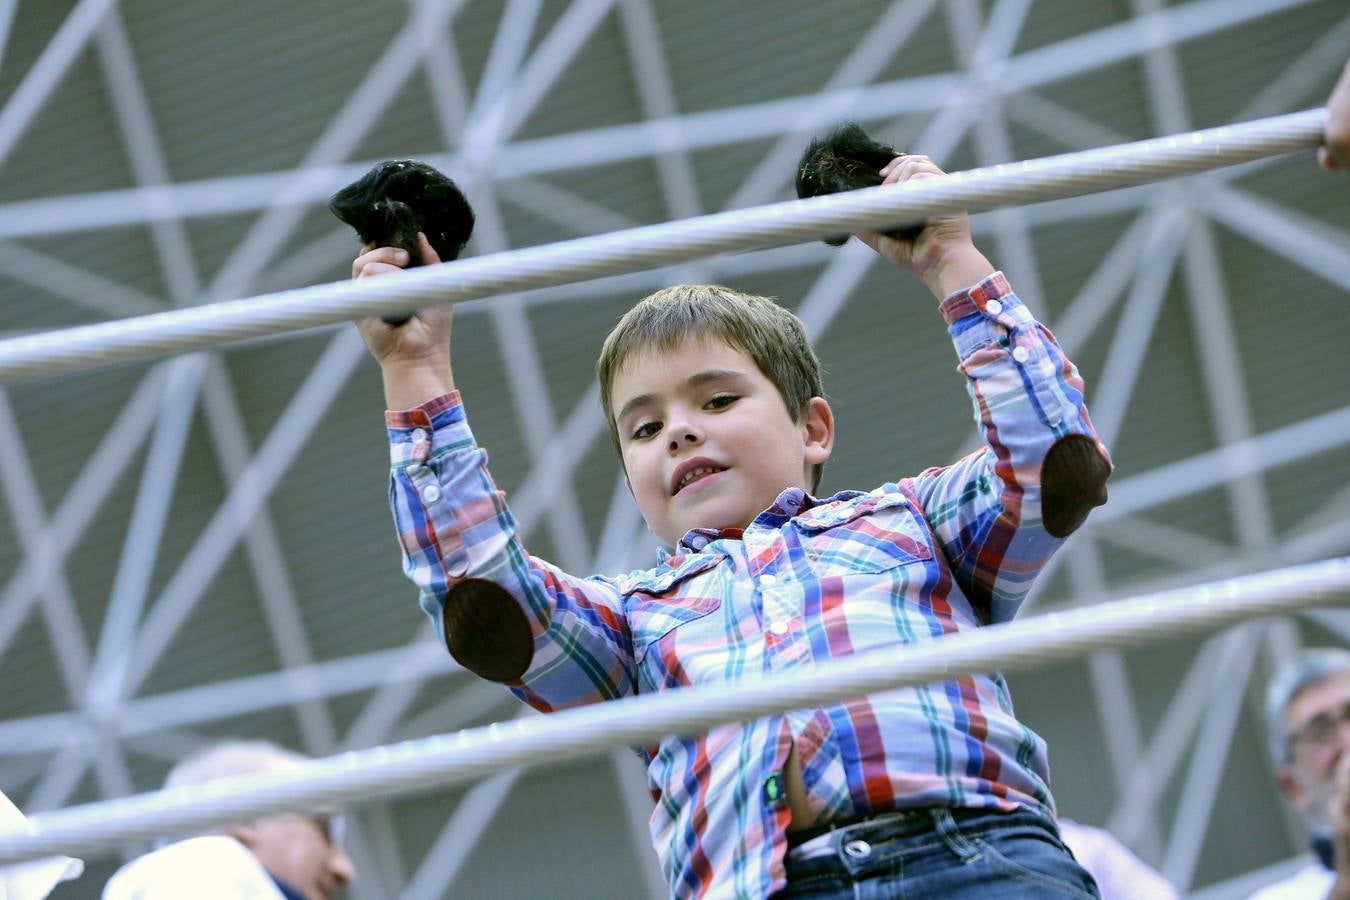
{"points": [[809, 579]]}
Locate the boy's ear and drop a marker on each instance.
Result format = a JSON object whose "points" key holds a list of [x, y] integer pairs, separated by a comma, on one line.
{"points": [[818, 427]]}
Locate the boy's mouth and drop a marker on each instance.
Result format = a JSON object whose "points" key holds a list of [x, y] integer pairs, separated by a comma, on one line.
{"points": [[691, 471]]}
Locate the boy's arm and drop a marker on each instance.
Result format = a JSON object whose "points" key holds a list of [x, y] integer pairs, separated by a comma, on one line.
{"points": [[504, 615], [1001, 512]]}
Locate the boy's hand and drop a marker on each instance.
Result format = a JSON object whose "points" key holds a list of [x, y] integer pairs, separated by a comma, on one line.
{"points": [[414, 356], [943, 254], [426, 335]]}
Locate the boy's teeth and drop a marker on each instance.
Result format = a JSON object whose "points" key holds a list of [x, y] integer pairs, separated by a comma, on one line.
{"points": [[695, 473]]}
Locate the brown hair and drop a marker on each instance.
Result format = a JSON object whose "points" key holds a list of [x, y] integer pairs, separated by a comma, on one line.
{"points": [[770, 335]]}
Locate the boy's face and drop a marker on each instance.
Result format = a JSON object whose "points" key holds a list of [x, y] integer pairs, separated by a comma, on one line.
{"points": [[706, 438]]}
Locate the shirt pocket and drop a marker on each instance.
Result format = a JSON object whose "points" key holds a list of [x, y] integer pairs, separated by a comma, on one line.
{"points": [[659, 601], [864, 534]]}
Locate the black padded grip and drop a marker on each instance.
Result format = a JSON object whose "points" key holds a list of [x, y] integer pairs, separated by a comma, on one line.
{"points": [[393, 201], [844, 160]]}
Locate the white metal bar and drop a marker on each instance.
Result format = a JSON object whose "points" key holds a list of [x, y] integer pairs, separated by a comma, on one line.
{"points": [[656, 93], [194, 574], [64, 772], [988, 51], [1271, 449], [1154, 769], [160, 713], [65, 631], [509, 46], [101, 473], [1106, 46], [453, 845], [1067, 127], [1110, 682], [51, 66], [7, 8], [149, 513], [59, 613], [1206, 769], [866, 59], [1317, 246], [599, 146], [564, 736], [140, 136], [550, 59], [55, 276], [357, 116], [1160, 540], [1225, 382], [591, 257], [1306, 76], [535, 417], [266, 560], [1125, 358]]}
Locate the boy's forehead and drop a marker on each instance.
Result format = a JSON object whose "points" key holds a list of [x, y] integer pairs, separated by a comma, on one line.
{"points": [[653, 367]]}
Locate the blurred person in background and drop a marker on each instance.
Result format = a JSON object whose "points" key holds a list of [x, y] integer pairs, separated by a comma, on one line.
{"points": [[1308, 722], [280, 857]]}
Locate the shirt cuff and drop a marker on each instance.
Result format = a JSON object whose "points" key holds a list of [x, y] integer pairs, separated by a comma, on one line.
{"points": [[986, 314], [414, 434], [975, 299]]}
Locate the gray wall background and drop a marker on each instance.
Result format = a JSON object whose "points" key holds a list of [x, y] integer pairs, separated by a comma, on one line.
{"points": [[156, 154]]}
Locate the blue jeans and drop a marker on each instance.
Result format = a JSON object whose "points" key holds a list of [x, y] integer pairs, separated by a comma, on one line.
{"points": [[940, 852]]}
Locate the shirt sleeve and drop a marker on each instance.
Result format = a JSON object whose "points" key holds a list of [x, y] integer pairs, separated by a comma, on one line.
{"points": [[555, 639], [986, 510]]}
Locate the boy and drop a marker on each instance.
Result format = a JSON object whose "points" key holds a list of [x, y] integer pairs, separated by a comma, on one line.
{"points": [[715, 405]]}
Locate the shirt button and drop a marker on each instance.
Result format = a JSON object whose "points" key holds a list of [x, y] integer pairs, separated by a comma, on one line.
{"points": [[1021, 354], [779, 628], [768, 579], [431, 493], [857, 849], [993, 307], [419, 436]]}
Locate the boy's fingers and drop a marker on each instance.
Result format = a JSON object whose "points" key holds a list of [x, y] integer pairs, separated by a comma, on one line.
{"points": [[372, 269], [886, 169], [429, 255], [388, 256], [907, 167]]}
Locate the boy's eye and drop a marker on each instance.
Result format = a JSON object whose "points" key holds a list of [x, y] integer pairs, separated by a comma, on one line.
{"points": [[722, 401], [646, 430]]}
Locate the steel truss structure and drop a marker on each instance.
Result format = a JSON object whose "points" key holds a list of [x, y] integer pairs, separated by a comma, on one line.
{"points": [[199, 547]]}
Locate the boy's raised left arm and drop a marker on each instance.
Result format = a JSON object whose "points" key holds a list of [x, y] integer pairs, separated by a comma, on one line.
{"points": [[1000, 513]]}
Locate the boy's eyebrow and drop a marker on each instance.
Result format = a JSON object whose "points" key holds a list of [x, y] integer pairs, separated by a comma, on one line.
{"points": [[693, 381]]}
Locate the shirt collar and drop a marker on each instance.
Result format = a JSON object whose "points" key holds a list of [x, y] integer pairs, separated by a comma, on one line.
{"points": [[792, 502]]}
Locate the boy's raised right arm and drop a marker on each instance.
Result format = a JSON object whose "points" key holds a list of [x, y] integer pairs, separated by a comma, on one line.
{"points": [[556, 640]]}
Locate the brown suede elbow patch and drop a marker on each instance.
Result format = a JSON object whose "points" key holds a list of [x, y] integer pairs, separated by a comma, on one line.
{"points": [[1073, 481], [486, 630]]}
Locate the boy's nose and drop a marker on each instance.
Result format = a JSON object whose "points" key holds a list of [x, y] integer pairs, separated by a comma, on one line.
{"points": [[683, 438]]}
